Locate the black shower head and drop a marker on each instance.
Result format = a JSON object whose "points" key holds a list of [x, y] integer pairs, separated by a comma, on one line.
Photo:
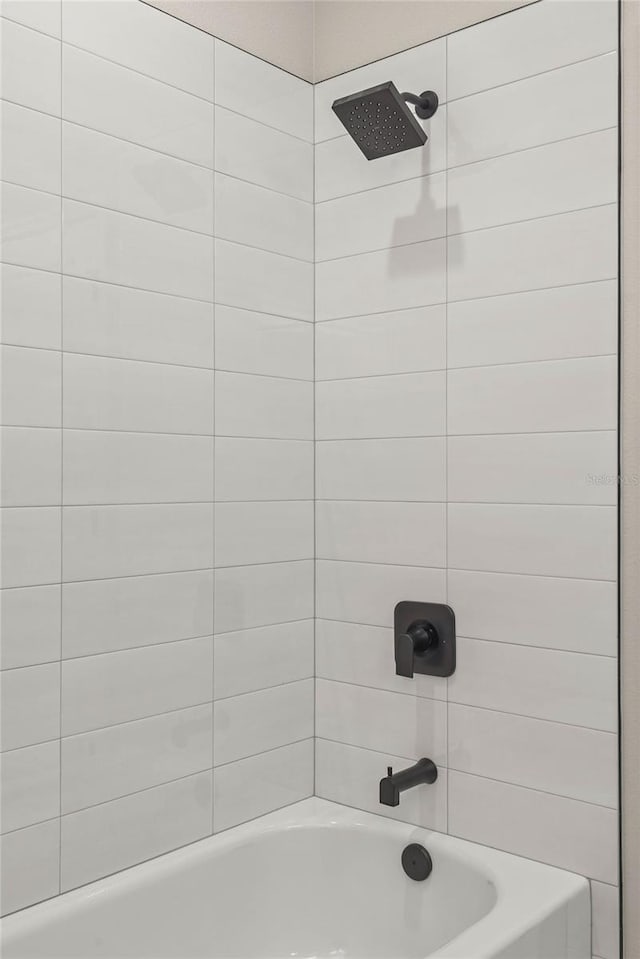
{"points": [[380, 121]]}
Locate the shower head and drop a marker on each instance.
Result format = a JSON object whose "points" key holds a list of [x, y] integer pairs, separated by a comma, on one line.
{"points": [[380, 121]]}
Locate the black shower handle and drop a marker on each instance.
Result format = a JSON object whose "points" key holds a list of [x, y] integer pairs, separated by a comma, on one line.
{"points": [[419, 637]]}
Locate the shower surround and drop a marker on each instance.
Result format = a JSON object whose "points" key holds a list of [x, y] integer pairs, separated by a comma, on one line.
{"points": [[158, 564]]}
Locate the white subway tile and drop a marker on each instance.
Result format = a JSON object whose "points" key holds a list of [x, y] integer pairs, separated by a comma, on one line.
{"points": [[577, 836], [571, 614], [255, 722], [111, 541], [30, 148], [30, 625], [30, 546], [532, 40], [137, 109], [112, 173], [30, 866], [539, 755], [556, 178], [411, 726], [341, 170], [248, 85], [31, 307], [42, 15], [405, 342], [265, 282], [605, 911], [117, 248], [101, 617], [105, 467], [350, 775], [282, 163], [558, 686], [552, 106], [31, 387], [253, 659], [263, 407], [112, 394], [571, 541], [143, 39], [398, 279], [29, 467], [252, 787], [30, 228], [367, 593], [559, 395], [553, 251], [259, 217], [248, 596], [555, 468], [381, 406], [109, 763], [408, 212], [263, 469], [251, 533], [248, 342], [113, 688], [364, 656], [30, 705], [552, 324], [364, 532], [30, 785], [401, 470], [112, 836], [136, 324], [30, 73], [424, 65]]}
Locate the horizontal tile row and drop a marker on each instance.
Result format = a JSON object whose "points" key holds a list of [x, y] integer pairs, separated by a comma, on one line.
{"points": [[102, 467], [559, 250], [565, 541], [554, 468], [544, 611], [105, 393], [551, 396]]}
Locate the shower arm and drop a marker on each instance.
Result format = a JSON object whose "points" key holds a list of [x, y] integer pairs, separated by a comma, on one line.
{"points": [[426, 104]]}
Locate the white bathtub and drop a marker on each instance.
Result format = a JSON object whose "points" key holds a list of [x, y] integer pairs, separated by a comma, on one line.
{"points": [[315, 880]]}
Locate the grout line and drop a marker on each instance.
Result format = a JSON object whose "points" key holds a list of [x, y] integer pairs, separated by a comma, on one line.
{"points": [[464, 569], [430, 436], [271, 189], [533, 76], [272, 749], [474, 639], [446, 404], [214, 446], [263, 689], [459, 166], [468, 299], [179, 366], [444, 237], [61, 525], [314, 425]]}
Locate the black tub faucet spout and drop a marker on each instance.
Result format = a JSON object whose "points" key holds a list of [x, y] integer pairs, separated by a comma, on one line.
{"points": [[424, 771]]}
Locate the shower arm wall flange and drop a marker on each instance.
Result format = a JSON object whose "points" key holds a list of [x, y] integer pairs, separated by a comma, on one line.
{"points": [[426, 104]]}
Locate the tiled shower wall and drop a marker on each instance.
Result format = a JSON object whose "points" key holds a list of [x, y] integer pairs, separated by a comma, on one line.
{"points": [[119, 738], [466, 343]]}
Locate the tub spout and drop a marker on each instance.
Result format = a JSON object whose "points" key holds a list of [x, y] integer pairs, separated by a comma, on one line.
{"points": [[424, 771]]}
